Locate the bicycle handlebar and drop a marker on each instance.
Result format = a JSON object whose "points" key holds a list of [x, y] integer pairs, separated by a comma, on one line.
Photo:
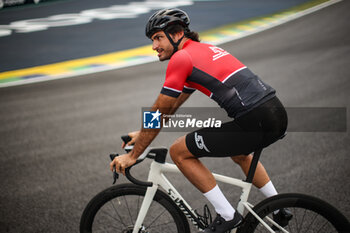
{"points": [[128, 175]]}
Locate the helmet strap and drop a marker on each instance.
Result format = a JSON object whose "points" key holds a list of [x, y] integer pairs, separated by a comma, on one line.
{"points": [[175, 45]]}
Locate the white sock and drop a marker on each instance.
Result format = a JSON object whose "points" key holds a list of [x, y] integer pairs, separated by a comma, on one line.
{"points": [[220, 203], [268, 190]]}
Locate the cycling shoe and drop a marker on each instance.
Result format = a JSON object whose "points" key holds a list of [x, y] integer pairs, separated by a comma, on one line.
{"points": [[282, 218], [220, 225]]}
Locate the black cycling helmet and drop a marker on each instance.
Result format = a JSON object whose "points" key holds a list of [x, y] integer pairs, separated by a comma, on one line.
{"points": [[160, 20], [163, 18]]}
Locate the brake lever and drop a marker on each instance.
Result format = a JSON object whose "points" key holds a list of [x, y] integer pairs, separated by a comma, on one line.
{"points": [[126, 139], [115, 174]]}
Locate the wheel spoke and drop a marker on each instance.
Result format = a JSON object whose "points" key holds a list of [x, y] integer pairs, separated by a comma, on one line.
{"points": [[310, 215], [296, 223], [108, 212], [103, 226], [149, 225], [127, 206], [312, 222], [138, 205], [325, 223], [289, 225], [116, 211], [112, 217], [302, 219]]}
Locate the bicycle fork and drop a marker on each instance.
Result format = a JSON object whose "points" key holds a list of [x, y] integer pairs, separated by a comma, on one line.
{"points": [[153, 175], [150, 192], [158, 179]]}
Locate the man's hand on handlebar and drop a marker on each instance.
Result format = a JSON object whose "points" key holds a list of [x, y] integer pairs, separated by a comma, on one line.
{"points": [[121, 162], [133, 136]]}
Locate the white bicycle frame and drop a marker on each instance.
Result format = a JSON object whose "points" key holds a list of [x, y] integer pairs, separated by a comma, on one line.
{"points": [[157, 177]]}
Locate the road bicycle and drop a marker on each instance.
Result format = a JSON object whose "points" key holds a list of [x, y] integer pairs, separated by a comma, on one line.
{"points": [[156, 205]]}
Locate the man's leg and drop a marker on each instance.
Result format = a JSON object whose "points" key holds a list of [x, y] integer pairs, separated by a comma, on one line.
{"points": [[261, 179], [191, 167], [200, 177]]}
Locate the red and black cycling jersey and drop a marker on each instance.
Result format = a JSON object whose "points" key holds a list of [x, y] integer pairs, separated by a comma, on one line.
{"points": [[217, 74]]}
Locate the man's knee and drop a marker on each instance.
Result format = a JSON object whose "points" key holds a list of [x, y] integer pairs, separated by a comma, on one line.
{"points": [[178, 150], [175, 149]]}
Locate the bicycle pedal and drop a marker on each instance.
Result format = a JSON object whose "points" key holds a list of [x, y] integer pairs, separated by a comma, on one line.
{"points": [[282, 218]]}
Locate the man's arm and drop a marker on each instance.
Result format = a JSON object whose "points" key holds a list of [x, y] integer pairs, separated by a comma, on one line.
{"points": [[166, 105], [179, 101]]}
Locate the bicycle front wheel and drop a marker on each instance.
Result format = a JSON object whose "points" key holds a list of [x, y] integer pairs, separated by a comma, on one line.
{"points": [[310, 215], [116, 209]]}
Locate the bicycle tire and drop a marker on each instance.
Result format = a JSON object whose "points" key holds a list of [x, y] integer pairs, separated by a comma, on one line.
{"points": [[310, 214], [115, 210]]}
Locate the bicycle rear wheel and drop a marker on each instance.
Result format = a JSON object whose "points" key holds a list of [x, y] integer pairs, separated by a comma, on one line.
{"points": [[116, 209], [310, 215]]}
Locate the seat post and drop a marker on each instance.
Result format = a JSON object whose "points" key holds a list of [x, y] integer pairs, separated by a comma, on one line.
{"points": [[253, 166]]}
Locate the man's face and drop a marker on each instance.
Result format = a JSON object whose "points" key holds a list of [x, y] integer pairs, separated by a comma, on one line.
{"points": [[162, 45]]}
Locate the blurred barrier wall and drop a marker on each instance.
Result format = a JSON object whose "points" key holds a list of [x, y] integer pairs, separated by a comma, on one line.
{"points": [[145, 54]]}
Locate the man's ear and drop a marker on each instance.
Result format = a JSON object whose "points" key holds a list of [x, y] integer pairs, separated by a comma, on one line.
{"points": [[178, 35]]}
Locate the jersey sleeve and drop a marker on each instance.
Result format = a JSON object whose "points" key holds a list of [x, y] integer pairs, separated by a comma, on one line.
{"points": [[179, 68], [188, 88]]}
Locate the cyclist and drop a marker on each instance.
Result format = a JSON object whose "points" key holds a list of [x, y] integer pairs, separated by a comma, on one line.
{"points": [[259, 118]]}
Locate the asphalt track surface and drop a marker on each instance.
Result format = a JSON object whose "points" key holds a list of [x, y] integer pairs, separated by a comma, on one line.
{"points": [[22, 50], [55, 136]]}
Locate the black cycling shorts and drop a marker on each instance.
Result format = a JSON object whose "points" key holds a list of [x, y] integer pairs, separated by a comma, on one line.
{"points": [[256, 129]]}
